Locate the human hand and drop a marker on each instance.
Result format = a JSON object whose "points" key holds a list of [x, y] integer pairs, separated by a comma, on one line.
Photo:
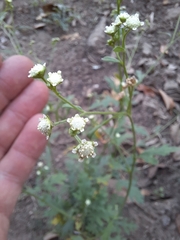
{"points": [[21, 99]]}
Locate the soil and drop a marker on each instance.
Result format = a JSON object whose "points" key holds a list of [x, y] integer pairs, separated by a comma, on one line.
{"points": [[84, 72]]}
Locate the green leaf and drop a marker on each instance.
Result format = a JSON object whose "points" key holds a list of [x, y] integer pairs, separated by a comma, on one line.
{"points": [[112, 84], [118, 49], [107, 231], [66, 105], [123, 138], [160, 151], [2, 16], [135, 194], [107, 101], [104, 180], [110, 59], [77, 238], [57, 178], [140, 76], [141, 130], [150, 160]]}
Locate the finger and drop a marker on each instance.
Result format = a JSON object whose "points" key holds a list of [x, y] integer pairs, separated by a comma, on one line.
{"points": [[18, 163], [13, 119], [13, 78]]}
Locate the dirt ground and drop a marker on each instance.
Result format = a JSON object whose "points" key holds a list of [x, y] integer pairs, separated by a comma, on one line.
{"points": [[80, 62]]}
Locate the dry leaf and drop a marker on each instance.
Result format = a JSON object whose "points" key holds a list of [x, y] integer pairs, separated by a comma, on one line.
{"points": [[168, 101], [117, 96], [163, 49], [178, 222], [145, 192], [152, 172], [71, 37], [140, 150], [101, 137], [115, 80], [39, 25], [51, 236], [49, 8], [150, 91], [165, 2], [41, 16]]}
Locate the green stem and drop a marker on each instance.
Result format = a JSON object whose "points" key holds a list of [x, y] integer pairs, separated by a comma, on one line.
{"points": [[129, 108], [62, 98], [59, 122], [66, 101], [77, 138], [133, 164], [124, 52]]}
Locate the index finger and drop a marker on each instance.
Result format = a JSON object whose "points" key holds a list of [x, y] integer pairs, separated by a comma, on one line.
{"points": [[11, 82]]}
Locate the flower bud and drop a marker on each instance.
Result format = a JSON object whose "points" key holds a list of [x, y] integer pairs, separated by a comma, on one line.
{"points": [[45, 126]]}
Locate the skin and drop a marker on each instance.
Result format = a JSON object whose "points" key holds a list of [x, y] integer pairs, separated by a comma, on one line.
{"points": [[21, 101]]}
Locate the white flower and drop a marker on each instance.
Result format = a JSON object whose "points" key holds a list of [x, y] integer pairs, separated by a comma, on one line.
{"points": [[40, 164], [55, 78], [87, 202], [110, 29], [123, 16], [77, 123], [85, 149], [117, 21], [118, 135], [38, 173], [37, 71], [46, 168], [45, 126], [133, 22]]}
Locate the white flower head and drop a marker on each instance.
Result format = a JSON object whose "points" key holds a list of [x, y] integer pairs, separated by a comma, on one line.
{"points": [[77, 123], [87, 202], [117, 21], [40, 164], [37, 71], [55, 78], [133, 22], [123, 16], [85, 149], [45, 126], [118, 135], [110, 29], [46, 168], [38, 172]]}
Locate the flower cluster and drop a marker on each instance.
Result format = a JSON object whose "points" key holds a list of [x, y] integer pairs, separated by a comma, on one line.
{"points": [[85, 149], [41, 167], [38, 71], [45, 126], [77, 123], [124, 20]]}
